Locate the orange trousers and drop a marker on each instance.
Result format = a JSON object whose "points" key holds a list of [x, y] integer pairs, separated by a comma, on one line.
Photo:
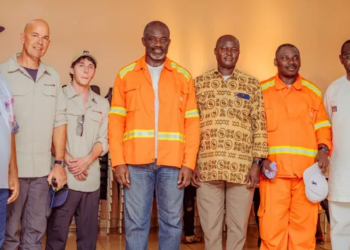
{"points": [[288, 219]]}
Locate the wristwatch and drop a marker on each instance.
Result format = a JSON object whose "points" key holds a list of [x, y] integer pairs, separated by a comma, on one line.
{"points": [[257, 162], [61, 163], [324, 149]]}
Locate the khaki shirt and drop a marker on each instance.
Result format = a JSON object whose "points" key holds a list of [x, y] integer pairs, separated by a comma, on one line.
{"points": [[39, 108], [94, 131], [233, 128]]}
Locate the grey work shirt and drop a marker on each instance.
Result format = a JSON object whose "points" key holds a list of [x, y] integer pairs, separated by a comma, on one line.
{"points": [[39, 108], [94, 131]]}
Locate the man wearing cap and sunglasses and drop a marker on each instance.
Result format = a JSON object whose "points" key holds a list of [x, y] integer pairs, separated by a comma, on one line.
{"points": [[87, 139], [41, 112], [8, 164]]}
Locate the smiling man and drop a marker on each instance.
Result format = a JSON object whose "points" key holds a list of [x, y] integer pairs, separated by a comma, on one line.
{"points": [[233, 142], [40, 111], [298, 134], [154, 139], [87, 115]]}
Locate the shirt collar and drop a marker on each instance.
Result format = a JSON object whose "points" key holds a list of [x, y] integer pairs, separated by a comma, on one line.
{"points": [[72, 93], [14, 66], [279, 84], [216, 71], [141, 64]]}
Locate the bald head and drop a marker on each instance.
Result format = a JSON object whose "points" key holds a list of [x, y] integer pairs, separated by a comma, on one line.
{"points": [[34, 23], [224, 39], [155, 24]]}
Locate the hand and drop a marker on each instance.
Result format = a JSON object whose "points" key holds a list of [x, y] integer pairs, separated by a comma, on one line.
{"points": [[82, 176], [196, 178], [122, 175], [79, 165], [265, 165], [185, 176], [253, 177], [323, 162], [14, 187], [59, 173]]}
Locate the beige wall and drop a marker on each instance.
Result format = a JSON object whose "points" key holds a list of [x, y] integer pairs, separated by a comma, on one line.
{"points": [[112, 30]]}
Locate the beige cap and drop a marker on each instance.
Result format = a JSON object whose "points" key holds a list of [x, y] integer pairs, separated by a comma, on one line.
{"points": [[82, 53]]}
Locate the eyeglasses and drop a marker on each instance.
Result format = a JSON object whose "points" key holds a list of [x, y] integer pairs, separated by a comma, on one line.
{"points": [[80, 126]]}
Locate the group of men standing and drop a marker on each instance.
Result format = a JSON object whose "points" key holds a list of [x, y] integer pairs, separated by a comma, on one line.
{"points": [[220, 132]]}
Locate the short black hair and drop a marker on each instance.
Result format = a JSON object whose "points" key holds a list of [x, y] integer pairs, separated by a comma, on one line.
{"points": [[342, 47], [78, 61], [224, 36], [155, 23], [286, 45]]}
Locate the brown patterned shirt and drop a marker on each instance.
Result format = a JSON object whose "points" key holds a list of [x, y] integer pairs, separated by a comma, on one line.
{"points": [[233, 128]]}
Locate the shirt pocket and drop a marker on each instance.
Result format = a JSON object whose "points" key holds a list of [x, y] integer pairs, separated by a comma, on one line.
{"points": [[96, 116], [183, 95], [131, 98], [312, 113], [49, 91], [271, 118]]}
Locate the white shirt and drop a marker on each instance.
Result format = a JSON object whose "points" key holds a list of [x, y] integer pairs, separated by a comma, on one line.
{"points": [[7, 126], [155, 75], [226, 77], [337, 103]]}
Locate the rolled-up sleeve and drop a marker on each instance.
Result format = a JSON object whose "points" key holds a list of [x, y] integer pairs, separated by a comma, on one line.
{"points": [[61, 108], [103, 131]]}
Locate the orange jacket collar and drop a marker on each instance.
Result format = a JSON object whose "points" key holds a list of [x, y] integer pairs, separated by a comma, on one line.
{"points": [[141, 64], [281, 85]]}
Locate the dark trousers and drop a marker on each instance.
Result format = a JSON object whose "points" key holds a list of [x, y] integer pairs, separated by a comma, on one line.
{"points": [[190, 194], [84, 207], [31, 209]]}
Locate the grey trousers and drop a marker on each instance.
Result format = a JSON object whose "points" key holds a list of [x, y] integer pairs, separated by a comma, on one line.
{"points": [[31, 209], [84, 207]]}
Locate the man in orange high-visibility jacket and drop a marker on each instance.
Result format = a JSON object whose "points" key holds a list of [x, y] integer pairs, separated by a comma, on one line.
{"points": [[298, 134], [154, 139]]}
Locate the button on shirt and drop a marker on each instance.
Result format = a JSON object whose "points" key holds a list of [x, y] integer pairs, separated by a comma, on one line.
{"points": [[233, 129], [8, 125], [94, 131], [337, 103], [39, 108]]}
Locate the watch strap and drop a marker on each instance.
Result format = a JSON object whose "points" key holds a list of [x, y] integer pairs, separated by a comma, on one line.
{"points": [[61, 163]]}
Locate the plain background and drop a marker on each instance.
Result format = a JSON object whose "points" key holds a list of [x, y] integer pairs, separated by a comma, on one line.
{"points": [[112, 31]]}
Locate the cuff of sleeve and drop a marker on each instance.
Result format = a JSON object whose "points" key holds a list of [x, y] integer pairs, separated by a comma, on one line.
{"points": [[189, 164], [326, 142], [57, 124]]}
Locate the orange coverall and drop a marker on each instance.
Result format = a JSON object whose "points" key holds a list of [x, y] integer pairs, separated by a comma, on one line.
{"points": [[296, 123], [132, 118]]}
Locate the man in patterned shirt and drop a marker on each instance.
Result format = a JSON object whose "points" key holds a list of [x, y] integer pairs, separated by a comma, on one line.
{"points": [[233, 141]]}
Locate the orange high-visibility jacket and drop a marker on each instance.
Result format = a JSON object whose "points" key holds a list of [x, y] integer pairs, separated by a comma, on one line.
{"points": [[132, 118], [296, 123]]}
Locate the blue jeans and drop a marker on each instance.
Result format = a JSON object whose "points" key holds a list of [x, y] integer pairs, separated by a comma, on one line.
{"points": [[138, 201], [4, 194]]}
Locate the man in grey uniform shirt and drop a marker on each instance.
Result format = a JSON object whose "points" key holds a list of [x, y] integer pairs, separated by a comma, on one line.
{"points": [[40, 110], [87, 115]]}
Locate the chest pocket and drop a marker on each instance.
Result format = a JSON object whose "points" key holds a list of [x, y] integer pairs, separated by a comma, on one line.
{"points": [[271, 118], [182, 99], [131, 98], [312, 113], [49, 91], [96, 116]]}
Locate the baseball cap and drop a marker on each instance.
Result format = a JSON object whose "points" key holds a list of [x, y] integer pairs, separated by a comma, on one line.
{"points": [[58, 197], [82, 53], [1, 29], [316, 185]]}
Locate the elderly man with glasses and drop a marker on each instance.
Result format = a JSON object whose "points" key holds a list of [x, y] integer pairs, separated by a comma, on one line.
{"points": [[87, 115]]}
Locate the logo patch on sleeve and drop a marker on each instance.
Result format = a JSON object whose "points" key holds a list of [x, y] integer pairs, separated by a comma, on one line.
{"points": [[334, 109]]}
